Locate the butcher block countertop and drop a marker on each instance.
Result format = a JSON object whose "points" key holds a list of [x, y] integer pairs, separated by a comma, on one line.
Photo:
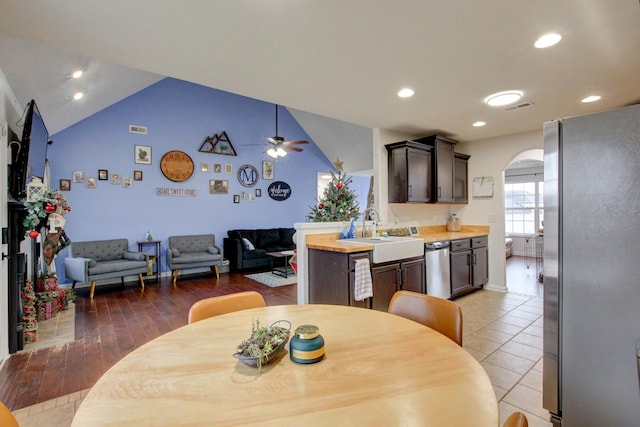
{"points": [[432, 233]]}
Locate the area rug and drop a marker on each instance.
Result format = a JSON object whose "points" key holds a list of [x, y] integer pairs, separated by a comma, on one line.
{"points": [[272, 280]]}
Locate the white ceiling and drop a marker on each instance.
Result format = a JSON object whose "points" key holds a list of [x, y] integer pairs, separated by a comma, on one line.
{"points": [[344, 60]]}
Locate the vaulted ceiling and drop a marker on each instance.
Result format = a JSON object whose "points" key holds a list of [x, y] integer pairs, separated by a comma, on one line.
{"points": [[342, 60]]}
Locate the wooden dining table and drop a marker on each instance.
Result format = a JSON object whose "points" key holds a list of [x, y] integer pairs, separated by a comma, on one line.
{"points": [[379, 369]]}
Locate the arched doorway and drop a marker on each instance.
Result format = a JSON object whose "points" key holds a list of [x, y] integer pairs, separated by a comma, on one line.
{"points": [[524, 216]]}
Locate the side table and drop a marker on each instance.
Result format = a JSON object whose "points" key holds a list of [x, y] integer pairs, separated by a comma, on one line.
{"points": [[154, 250]]}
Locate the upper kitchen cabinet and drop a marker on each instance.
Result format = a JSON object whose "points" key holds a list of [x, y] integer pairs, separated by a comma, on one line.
{"points": [[410, 172], [461, 178], [427, 170]]}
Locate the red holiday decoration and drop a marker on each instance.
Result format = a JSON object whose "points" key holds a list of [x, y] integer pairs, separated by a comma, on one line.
{"points": [[339, 185], [68, 208], [320, 206], [33, 234], [49, 208]]}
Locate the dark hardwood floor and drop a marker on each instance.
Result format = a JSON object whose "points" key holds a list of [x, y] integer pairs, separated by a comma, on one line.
{"points": [[117, 322]]}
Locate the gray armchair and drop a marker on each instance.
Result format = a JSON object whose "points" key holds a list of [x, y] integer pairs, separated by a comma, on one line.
{"points": [[193, 251], [103, 259]]}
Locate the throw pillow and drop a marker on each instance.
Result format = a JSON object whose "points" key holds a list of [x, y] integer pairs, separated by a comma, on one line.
{"points": [[133, 256], [212, 250], [92, 263], [175, 252], [248, 246]]}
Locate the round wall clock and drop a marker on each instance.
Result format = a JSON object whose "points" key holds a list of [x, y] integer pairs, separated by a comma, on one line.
{"points": [[176, 166], [248, 175]]}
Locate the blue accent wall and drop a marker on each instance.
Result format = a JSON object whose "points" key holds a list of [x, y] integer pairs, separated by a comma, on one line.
{"points": [[179, 115]]}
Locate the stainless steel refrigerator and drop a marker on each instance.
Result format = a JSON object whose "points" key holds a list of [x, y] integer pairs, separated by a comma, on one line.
{"points": [[592, 269]]}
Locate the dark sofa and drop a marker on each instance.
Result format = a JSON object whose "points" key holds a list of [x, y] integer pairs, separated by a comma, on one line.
{"points": [[251, 254]]}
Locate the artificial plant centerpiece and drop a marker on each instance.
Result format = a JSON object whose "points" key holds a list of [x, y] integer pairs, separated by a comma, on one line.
{"points": [[264, 344]]}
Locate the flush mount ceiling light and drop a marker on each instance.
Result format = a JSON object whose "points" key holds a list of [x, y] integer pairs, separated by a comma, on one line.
{"points": [[547, 40], [77, 74], [405, 92], [78, 95], [479, 124], [591, 98], [503, 98], [276, 152]]}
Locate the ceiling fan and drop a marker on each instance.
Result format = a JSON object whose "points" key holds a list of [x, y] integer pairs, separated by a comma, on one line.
{"points": [[280, 146]]}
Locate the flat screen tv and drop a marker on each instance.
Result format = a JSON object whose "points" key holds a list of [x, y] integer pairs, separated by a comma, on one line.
{"points": [[28, 158]]}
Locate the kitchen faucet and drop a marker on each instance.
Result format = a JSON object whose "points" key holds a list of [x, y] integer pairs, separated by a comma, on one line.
{"points": [[364, 218]]}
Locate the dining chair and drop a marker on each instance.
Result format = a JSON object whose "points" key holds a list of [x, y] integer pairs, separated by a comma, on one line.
{"points": [[517, 419], [440, 314], [216, 306], [6, 417]]}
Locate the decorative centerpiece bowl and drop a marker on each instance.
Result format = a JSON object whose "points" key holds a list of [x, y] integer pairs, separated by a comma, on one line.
{"points": [[265, 343]]}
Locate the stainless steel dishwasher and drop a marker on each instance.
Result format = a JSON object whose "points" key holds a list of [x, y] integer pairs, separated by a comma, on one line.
{"points": [[438, 272]]}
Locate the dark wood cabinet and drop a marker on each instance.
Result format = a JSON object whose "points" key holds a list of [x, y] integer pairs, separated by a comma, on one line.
{"points": [[332, 277], [389, 278], [469, 262], [461, 178], [427, 170], [410, 172]]}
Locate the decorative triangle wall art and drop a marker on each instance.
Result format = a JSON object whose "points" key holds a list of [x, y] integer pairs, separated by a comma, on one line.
{"points": [[218, 144]]}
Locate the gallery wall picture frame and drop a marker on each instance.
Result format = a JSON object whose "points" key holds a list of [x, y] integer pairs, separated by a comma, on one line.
{"points": [[115, 178], [258, 192], [65, 185], [236, 198], [142, 154], [103, 174], [127, 182], [78, 176], [137, 175], [218, 186], [228, 168], [217, 168], [268, 169], [204, 167], [92, 182]]}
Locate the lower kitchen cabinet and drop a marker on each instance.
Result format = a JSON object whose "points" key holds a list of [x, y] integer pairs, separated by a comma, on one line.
{"points": [[332, 277], [469, 265], [389, 278]]}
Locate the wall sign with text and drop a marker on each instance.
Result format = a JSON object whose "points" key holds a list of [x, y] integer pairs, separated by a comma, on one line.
{"points": [[279, 191]]}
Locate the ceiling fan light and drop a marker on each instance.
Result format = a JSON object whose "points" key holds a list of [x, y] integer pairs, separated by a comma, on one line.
{"points": [[280, 152], [272, 152]]}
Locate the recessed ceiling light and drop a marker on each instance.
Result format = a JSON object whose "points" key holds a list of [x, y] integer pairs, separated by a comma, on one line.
{"points": [[592, 98], [503, 98], [405, 92], [479, 124], [547, 40], [78, 95], [76, 74]]}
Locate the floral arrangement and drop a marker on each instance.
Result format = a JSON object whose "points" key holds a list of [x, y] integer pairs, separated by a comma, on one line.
{"points": [[38, 210]]}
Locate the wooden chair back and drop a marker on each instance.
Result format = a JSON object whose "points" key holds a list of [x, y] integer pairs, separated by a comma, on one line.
{"points": [[517, 419], [440, 314], [6, 417], [216, 306]]}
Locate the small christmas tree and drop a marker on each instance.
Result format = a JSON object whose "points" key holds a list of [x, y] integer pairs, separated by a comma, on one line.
{"points": [[338, 202]]}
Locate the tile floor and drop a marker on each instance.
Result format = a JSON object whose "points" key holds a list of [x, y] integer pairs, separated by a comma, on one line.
{"points": [[503, 331]]}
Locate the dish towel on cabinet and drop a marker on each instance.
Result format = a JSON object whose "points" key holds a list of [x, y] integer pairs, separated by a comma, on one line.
{"points": [[363, 285]]}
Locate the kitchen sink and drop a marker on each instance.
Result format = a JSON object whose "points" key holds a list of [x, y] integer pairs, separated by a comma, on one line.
{"points": [[393, 248]]}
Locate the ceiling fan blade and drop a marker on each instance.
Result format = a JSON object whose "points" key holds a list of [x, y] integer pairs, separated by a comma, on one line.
{"points": [[288, 147], [275, 140], [297, 142]]}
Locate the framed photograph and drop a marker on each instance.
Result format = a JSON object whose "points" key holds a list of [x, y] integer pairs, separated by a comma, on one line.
{"points": [[65, 185], [142, 154], [267, 169], [137, 175], [103, 174], [218, 186], [204, 167], [217, 168], [244, 195], [126, 182], [78, 176], [115, 178], [92, 182], [258, 192], [228, 168], [236, 198]]}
